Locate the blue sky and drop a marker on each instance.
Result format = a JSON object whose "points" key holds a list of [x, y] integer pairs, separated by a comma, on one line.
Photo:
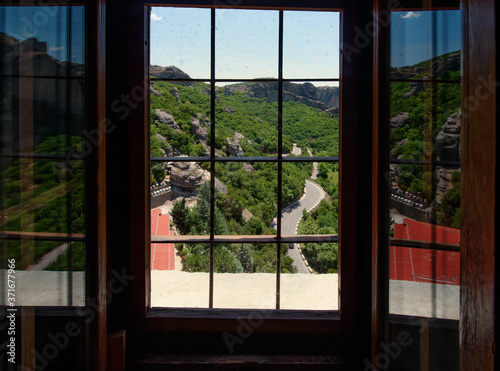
{"points": [[48, 24], [246, 40], [246, 43], [412, 34]]}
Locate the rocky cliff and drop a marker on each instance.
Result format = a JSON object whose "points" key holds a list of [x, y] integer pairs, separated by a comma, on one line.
{"points": [[49, 94], [434, 68], [322, 97]]}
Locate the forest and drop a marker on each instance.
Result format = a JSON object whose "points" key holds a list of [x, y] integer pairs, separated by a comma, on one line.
{"points": [[251, 191]]}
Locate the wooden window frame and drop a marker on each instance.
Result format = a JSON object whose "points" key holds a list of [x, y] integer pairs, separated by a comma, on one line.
{"points": [[350, 226]]}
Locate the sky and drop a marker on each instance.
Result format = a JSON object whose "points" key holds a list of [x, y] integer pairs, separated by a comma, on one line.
{"points": [[246, 40], [48, 24], [412, 34], [246, 43]]}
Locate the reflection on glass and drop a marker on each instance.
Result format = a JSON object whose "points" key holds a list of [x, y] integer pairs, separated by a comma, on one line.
{"points": [[311, 119], [311, 45], [43, 277], [426, 45], [425, 199], [316, 285], [246, 121], [38, 193], [180, 43], [247, 198], [42, 103], [246, 44], [425, 121], [233, 288], [42, 48]]}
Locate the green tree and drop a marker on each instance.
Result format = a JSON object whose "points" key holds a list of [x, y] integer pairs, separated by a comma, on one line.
{"points": [[181, 217]]}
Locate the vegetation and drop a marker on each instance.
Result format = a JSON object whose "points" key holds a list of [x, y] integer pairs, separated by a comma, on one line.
{"points": [[428, 110], [36, 199], [250, 191]]}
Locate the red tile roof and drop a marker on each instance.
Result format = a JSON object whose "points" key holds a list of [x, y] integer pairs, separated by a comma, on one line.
{"points": [[162, 254], [424, 265]]}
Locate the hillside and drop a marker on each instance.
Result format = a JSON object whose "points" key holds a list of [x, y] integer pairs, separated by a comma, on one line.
{"points": [[246, 126], [426, 124]]}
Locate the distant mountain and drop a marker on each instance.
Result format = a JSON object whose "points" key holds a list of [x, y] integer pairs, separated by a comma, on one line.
{"points": [[49, 94], [326, 98], [438, 68]]}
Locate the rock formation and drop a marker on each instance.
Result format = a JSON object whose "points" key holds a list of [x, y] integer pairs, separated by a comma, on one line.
{"points": [[187, 177], [448, 139], [167, 118], [153, 90], [48, 94], [199, 131], [171, 72], [323, 97], [399, 120]]}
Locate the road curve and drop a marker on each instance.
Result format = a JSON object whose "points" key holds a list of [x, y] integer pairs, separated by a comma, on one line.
{"points": [[314, 174], [291, 215]]}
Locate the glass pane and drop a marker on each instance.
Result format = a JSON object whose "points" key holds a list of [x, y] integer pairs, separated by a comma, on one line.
{"points": [[315, 289], [425, 121], [180, 43], [426, 44], [42, 52], [247, 197], [37, 194], [186, 284], [311, 119], [246, 44], [41, 275], [40, 112], [246, 120], [425, 199], [234, 286], [311, 45], [180, 119], [39, 41]]}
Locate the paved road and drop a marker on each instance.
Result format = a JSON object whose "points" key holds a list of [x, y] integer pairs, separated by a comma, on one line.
{"points": [[291, 216], [48, 258], [314, 174]]}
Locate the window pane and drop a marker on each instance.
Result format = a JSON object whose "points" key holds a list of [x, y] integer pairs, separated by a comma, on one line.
{"points": [[311, 119], [246, 120], [248, 205], [187, 284], [311, 45], [425, 198], [426, 121], [246, 44], [180, 43], [426, 44], [43, 144], [245, 276], [38, 194], [39, 41], [317, 288], [184, 194]]}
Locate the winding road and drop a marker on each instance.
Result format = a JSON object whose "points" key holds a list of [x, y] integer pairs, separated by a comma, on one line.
{"points": [[291, 215]]}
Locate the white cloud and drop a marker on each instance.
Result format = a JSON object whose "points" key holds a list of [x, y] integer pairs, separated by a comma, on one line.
{"points": [[411, 15], [154, 17]]}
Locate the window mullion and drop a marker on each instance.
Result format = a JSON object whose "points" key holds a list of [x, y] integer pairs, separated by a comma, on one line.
{"points": [[212, 160], [280, 156]]}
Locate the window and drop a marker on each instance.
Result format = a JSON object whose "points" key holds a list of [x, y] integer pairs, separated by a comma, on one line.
{"points": [[43, 161], [244, 128], [425, 129]]}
